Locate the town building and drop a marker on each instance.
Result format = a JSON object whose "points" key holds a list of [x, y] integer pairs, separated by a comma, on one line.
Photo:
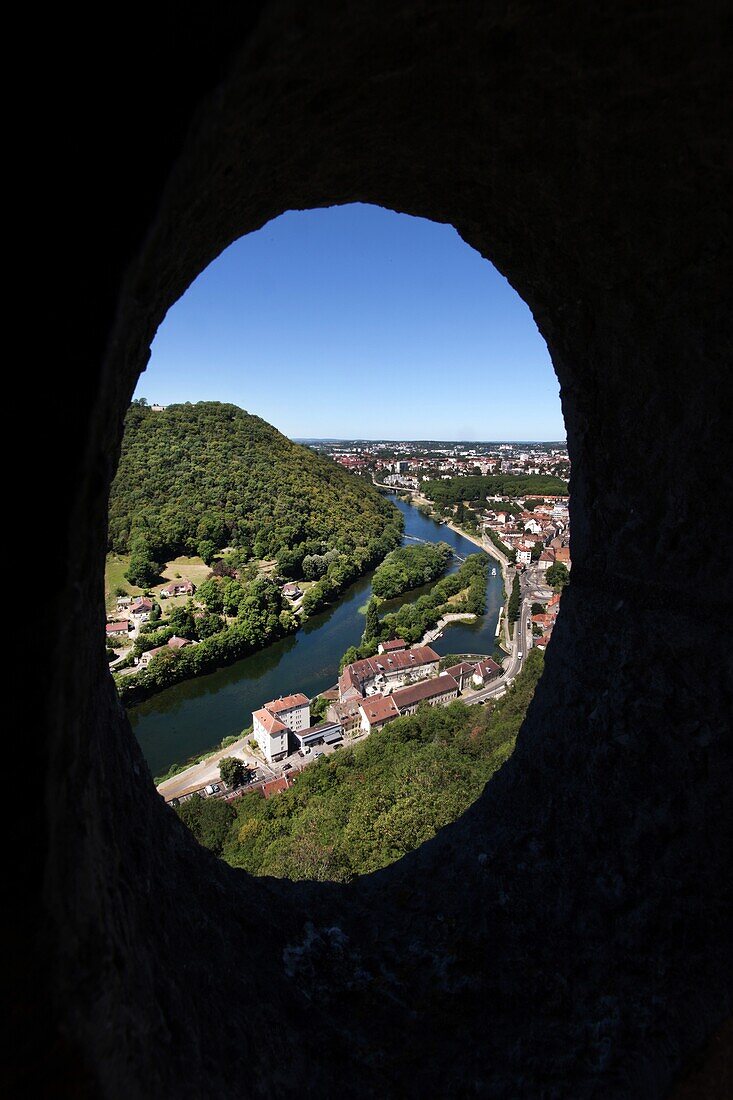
{"points": [[272, 723], [436, 692], [393, 668], [376, 712], [462, 674], [485, 671], [270, 734], [173, 644], [347, 714], [141, 608], [325, 733]]}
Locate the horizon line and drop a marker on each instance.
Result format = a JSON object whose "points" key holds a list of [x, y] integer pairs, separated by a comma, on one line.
{"points": [[383, 439]]}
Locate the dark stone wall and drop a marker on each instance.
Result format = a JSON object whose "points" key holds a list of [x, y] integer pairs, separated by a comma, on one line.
{"points": [[567, 937]]}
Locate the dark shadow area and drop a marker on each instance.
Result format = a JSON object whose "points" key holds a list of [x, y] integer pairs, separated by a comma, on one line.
{"points": [[569, 935]]}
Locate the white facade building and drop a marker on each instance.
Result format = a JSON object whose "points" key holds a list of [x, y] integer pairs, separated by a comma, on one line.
{"points": [[272, 723]]}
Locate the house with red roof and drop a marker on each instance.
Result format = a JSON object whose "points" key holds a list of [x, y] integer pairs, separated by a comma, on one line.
{"points": [[376, 712], [112, 630], [485, 671], [141, 609], [173, 644], [462, 673], [181, 587]]}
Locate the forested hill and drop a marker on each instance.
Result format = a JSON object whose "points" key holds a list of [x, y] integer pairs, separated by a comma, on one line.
{"points": [[196, 478]]}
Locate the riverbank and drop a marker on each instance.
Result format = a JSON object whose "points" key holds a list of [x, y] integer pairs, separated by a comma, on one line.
{"points": [[488, 547], [192, 717], [452, 617]]}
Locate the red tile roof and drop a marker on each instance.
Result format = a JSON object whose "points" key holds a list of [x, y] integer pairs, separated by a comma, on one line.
{"points": [[396, 643], [399, 660], [379, 709], [275, 786], [142, 605], [489, 667], [287, 702], [428, 689], [462, 669], [269, 721], [117, 628]]}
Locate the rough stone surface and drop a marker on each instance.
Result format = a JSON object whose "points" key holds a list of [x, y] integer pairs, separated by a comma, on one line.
{"points": [[568, 936]]}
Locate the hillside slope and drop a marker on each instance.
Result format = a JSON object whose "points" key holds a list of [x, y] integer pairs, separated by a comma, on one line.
{"points": [[365, 807], [196, 478]]}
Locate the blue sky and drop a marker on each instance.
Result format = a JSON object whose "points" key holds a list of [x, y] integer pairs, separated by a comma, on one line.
{"points": [[356, 322]]}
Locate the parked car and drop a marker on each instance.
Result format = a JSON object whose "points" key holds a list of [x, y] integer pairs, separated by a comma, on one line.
{"points": [[287, 767]]}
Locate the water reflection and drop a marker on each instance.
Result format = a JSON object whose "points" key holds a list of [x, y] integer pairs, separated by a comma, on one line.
{"points": [[194, 716]]}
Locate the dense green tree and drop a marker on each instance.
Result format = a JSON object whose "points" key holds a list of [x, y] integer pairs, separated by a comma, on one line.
{"points": [[413, 619], [183, 623], [210, 594], [210, 473], [206, 550], [538, 609], [409, 567], [372, 626], [143, 570], [232, 771], [455, 489], [319, 706], [209, 624], [209, 819], [515, 600], [557, 576]]}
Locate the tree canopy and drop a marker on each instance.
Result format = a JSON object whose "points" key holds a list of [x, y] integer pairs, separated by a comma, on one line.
{"points": [[232, 771], [194, 479], [557, 576], [409, 567], [456, 489]]}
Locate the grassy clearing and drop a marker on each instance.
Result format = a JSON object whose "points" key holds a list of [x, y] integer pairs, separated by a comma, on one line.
{"points": [[459, 596], [192, 569], [114, 577]]}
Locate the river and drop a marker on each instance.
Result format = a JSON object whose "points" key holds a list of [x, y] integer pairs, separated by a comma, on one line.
{"points": [[194, 716]]}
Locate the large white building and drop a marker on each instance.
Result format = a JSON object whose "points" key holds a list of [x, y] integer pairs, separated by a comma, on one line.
{"points": [[272, 723], [391, 668]]}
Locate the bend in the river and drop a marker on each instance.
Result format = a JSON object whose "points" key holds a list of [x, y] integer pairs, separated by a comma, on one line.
{"points": [[196, 715]]}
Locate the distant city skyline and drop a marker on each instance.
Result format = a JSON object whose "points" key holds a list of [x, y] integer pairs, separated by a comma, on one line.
{"points": [[355, 322]]}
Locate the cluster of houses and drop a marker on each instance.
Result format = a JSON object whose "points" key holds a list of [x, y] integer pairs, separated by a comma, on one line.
{"points": [[371, 692], [546, 621], [547, 523], [133, 612]]}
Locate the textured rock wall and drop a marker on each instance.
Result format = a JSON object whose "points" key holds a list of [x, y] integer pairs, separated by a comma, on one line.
{"points": [[567, 936]]}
